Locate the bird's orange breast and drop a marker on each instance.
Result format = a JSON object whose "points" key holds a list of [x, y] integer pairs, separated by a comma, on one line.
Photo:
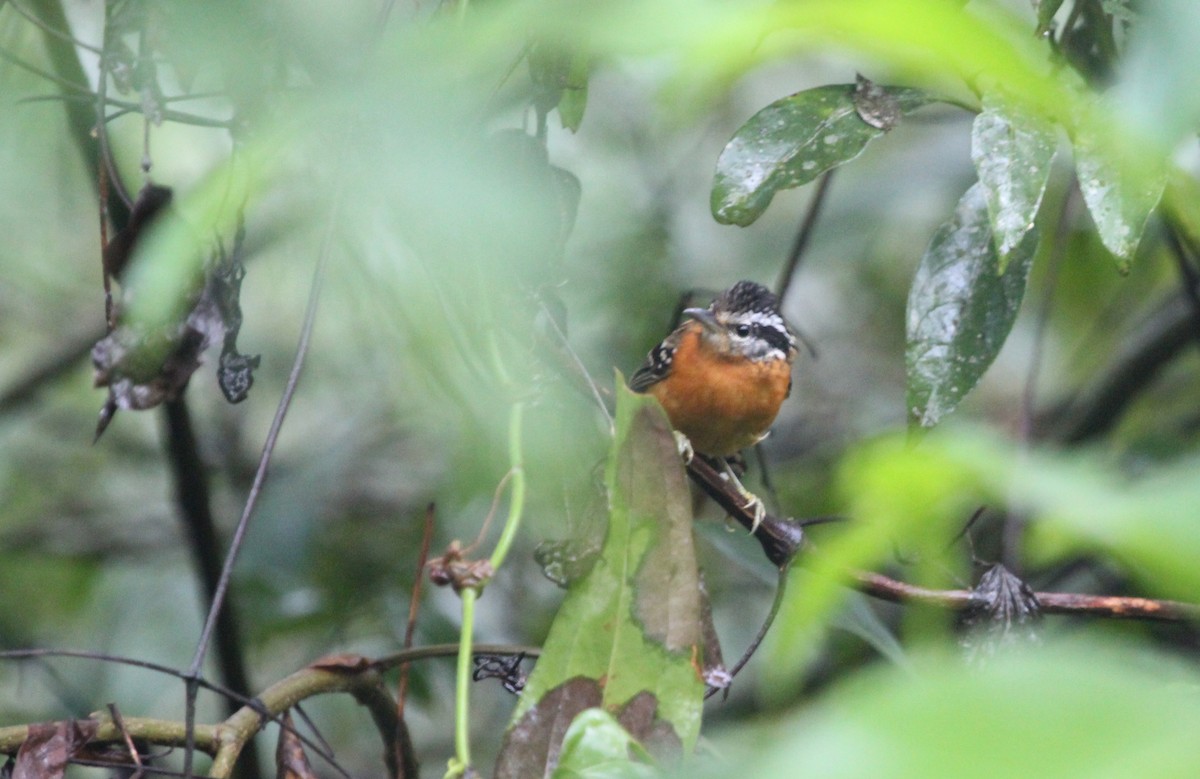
{"points": [[722, 403]]}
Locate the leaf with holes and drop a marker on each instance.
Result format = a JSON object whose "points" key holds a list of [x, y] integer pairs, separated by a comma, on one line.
{"points": [[792, 141], [1012, 151], [960, 309], [628, 636]]}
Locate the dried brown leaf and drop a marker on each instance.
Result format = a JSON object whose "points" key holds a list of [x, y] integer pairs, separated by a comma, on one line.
{"points": [[50, 746], [343, 661], [291, 762]]}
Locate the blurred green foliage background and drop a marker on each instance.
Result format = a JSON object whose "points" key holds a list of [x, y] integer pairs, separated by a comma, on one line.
{"points": [[412, 149]]}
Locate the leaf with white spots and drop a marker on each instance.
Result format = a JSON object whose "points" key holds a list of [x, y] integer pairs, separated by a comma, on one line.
{"points": [[791, 142], [1012, 151], [1119, 197], [960, 308]]}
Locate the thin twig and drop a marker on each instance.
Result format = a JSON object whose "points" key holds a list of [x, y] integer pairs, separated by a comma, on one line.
{"points": [[1041, 323], [101, 108], [487, 520], [195, 513], [62, 82], [255, 704], [1133, 370], [52, 31], [1110, 606], [324, 742], [768, 621], [69, 73], [1013, 523], [576, 370], [143, 65], [260, 474], [26, 388], [133, 752], [1188, 277], [807, 225], [414, 603]]}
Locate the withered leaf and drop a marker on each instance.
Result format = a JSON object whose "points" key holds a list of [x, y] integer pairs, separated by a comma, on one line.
{"points": [[291, 762], [532, 745], [50, 746], [343, 661], [875, 105], [145, 365]]}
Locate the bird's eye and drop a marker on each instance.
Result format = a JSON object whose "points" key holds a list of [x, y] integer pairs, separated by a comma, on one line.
{"points": [[742, 331]]}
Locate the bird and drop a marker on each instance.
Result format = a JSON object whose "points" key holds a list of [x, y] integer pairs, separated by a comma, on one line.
{"points": [[723, 374]]}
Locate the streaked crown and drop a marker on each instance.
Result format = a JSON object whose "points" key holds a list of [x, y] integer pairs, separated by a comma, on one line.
{"points": [[749, 314]]}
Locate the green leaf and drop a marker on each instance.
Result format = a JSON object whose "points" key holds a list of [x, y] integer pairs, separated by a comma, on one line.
{"points": [[1119, 195], [1073, 711], [628, 635], [960, 309], [1077, 503], [575, 93], [597, 747], [892, 491], [791, 142], [1046, 9], [560, 80], [1012, 150], [1083, 506]]}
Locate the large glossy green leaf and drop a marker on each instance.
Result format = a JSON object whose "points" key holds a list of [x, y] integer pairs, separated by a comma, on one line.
{"points": [[791, 142], [1012, 150], [628, 635], [960, 309], [1119, 195]]}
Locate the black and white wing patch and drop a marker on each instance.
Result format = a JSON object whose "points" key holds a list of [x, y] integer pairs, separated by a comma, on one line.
{"points": [[655, 368]]}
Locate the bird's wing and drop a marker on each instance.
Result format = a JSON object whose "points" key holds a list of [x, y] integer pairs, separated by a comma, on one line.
{"points": [[656, 367]]}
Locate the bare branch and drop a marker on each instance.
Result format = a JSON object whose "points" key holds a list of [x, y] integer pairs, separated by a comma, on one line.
{"points": [[1110, 606]]}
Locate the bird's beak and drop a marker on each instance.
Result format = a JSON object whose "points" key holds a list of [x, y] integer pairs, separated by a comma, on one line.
{"points": [[705, 318]]}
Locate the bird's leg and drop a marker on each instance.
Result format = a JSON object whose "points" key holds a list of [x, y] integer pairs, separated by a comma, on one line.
{"points": [[684, 445], [753, 502]]}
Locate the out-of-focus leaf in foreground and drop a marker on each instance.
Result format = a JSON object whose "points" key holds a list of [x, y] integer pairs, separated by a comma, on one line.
{"points": [[1012, 150], [597, 747], [1145, 525], [918, 496], [791, 142], [627, 638], [1159, 88], [894, 493], [1055, 712], [960, 309]]}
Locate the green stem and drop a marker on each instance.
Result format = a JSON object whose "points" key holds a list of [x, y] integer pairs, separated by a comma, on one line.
{"points": [[462, 698], [516, 503]]}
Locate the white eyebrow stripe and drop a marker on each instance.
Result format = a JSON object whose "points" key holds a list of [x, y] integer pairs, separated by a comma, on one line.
{"points": [[764, 318]]}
